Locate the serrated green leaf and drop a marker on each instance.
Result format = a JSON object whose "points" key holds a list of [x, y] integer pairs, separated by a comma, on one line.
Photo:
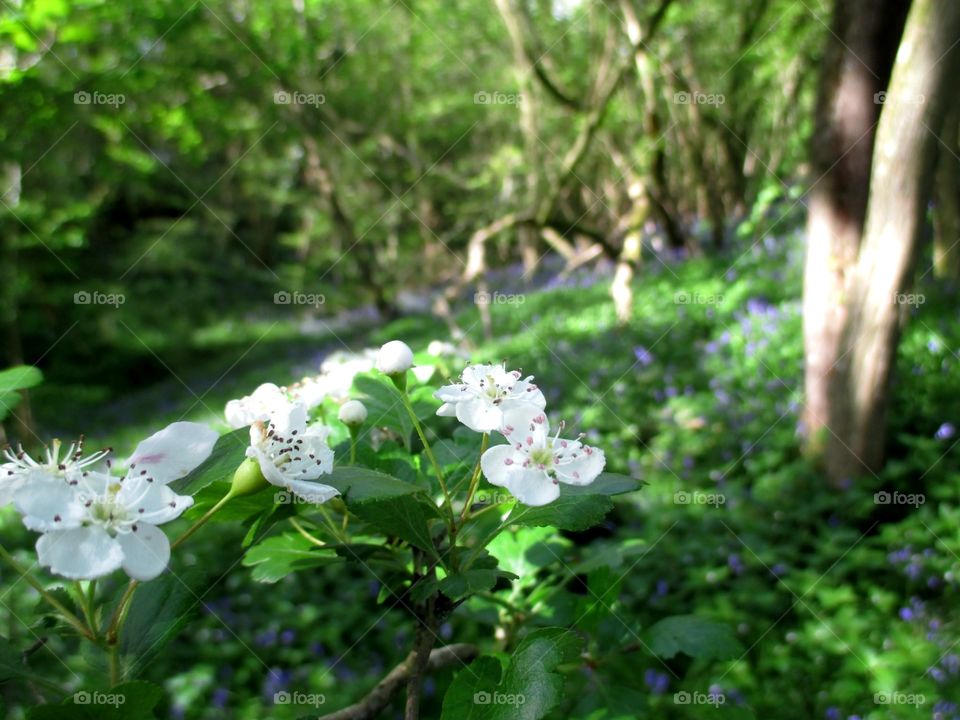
{"points": [[359, 485], [693, 636], [128, 701], [405, 516], [526, 687], [279, 555], [567, 512]]}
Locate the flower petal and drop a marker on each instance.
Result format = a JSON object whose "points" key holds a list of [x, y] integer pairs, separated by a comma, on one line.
{"points": [[311, 492], [447, 410], [452, 393], [582, 469], [152, 502], [172, 452], [48, 503], [82, 553], [146, 551], [527, 425], [480, 415]]}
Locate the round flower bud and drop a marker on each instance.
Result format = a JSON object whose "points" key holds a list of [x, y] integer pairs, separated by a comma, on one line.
{"points": [[352, 412], [248, 479], [394, 358]]}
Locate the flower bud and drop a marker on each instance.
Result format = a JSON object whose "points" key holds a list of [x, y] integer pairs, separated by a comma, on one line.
{"points": [[394, 358], [352, 412], [248, 478]]}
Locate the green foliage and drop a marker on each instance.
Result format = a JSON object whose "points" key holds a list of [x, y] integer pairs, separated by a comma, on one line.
{"points": [[693, 636], [12, 381]]}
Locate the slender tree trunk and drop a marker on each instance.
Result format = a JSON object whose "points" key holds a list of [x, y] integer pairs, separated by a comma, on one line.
{"points": [[946, 238], [855, 67], [903, 164]]}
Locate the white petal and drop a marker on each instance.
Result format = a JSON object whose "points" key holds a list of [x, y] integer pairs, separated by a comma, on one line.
{"points": [[527, 425], [447, 410], [499, 462], [173, 452], [525, 392], [82, 553], [154, 503], [583, 469], [533, 487], [146, 551], [48, 503], [480, 415], [452, 393], [238, 415], [311, 492], [289, 418]]}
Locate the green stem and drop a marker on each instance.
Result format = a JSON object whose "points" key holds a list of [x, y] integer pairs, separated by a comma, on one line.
{"points": [[202, 521], [113, 655], [72, 619], [475, 480], [433, 460], [86, 603]]}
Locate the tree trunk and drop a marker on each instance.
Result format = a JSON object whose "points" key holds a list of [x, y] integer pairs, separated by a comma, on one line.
{"points": [[860, 51], [903, 164], [946, 238]]}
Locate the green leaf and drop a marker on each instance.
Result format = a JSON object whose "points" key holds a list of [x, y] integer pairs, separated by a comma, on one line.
{"points": [[567, 512], [223, 462], [526, 686], [19, 377], [278, 556], [404, 516], [605, 484], [358, 485], [128, 701], [159, 611], [693, 636]]}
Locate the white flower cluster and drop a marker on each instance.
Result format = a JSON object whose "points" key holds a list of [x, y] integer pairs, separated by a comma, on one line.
{"points": [[92, 522], [531, 464]]}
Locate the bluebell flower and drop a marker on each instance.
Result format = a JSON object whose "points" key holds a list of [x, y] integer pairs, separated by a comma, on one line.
{"points": [[945, 431]]}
